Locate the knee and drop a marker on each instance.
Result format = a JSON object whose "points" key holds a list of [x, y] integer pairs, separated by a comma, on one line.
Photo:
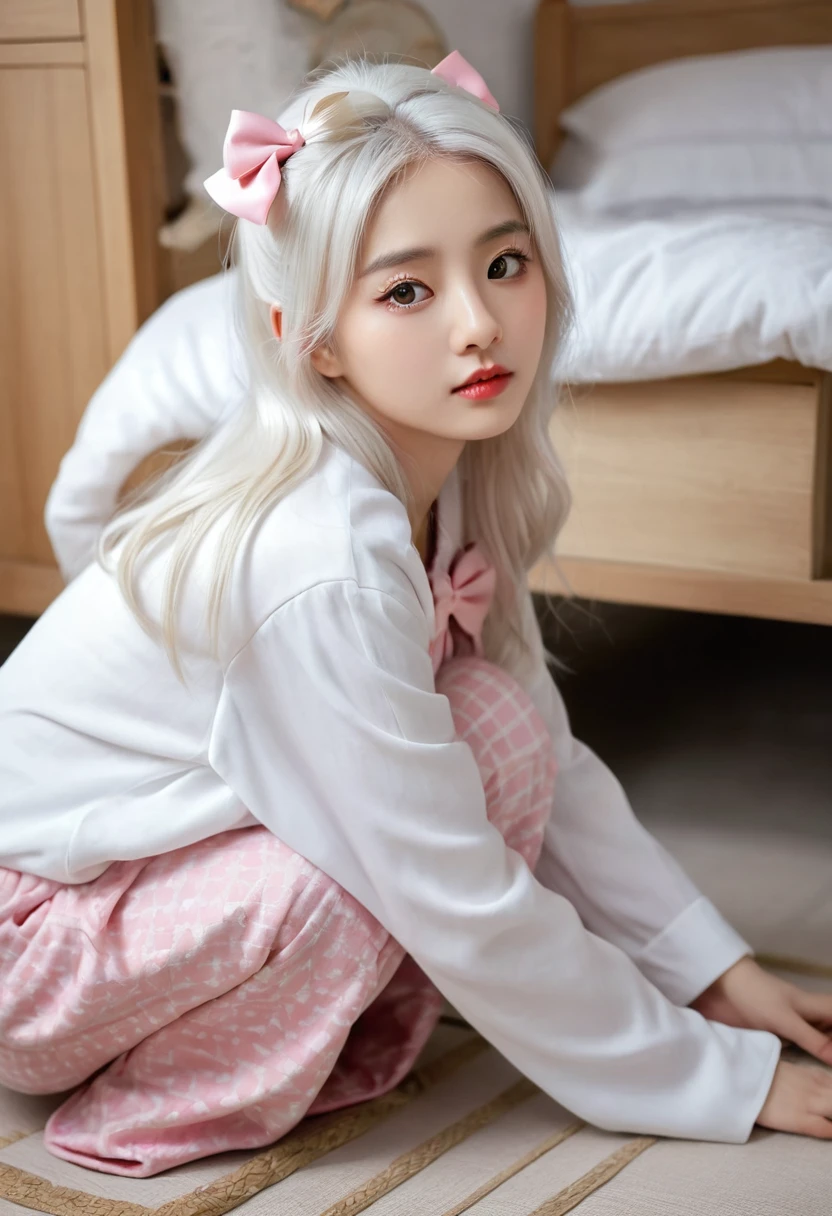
{"points": [[458, 678], [496, 717], [494, 714], [37, 1074]]}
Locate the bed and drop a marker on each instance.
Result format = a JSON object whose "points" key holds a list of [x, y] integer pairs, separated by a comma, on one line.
{"points": [[706, 491]]}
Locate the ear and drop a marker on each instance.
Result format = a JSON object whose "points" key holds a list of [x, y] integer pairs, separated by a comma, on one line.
{"points": [[325, 361], [276, 315]]}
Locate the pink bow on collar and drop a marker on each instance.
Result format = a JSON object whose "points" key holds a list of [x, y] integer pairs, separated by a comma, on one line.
{"points": [[254, 149], [464, 594], [456, 70]]}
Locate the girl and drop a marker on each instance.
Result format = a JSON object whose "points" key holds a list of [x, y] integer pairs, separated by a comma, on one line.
{"points": [[281, 768]]}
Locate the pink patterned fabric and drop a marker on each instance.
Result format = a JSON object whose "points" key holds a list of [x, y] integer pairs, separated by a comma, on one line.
{"points": [[207, 999]]}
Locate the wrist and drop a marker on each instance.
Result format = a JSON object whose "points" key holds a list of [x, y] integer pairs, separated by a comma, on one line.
{"points": [[740, 967]]}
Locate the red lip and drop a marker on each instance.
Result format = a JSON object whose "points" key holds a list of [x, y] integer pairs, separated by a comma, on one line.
{"points": [[484, 373]]}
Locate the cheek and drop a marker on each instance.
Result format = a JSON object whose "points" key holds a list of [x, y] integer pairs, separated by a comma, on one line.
{"points": [[385, 347], [531, 313]]}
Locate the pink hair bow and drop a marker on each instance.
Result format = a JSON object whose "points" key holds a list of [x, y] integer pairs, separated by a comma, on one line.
{"points": [[255, 147], [464, 594], [456, 70], [253, 151]]}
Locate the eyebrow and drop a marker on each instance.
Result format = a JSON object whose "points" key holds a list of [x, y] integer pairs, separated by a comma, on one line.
{"points": [[389, 260]]}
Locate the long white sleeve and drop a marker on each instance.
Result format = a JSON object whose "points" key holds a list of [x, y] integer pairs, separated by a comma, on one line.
{"points": [[178, 376], [622, 882], [330, 731]]}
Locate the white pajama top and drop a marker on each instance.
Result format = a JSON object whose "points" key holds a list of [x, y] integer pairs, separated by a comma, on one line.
{"points": [[320, 720]]}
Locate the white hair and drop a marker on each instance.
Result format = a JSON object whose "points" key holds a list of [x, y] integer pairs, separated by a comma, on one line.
{"points": [[365, 124]]}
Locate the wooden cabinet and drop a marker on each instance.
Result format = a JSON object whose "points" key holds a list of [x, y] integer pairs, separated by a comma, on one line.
{"points": [[80, 206], [31, 20]]}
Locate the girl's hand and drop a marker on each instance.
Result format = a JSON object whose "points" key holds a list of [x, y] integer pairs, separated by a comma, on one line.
{"points": [[749, 997], [800, 1100]]}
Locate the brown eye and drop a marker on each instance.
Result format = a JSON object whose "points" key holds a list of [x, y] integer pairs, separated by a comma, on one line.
{"points": [[403, 294], [503, 265]]}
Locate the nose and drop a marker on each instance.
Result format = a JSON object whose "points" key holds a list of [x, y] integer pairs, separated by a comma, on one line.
{"points": [[473, 323]]}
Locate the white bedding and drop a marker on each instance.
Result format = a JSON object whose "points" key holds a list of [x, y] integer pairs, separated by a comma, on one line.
{"points": [[695, 292], [654, 298]]}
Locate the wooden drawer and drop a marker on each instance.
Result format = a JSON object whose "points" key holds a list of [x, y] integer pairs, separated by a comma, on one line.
{"points": [[702, 473], [22, 20]]}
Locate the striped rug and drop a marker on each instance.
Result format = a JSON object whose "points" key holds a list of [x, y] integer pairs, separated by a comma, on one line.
{"points": [[465, 1132]]}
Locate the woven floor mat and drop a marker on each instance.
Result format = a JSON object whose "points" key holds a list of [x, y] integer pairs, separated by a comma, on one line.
{"points": [[465, 1132]]}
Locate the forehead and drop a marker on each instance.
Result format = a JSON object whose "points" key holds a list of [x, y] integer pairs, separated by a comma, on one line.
{"points": [[438, 202]]}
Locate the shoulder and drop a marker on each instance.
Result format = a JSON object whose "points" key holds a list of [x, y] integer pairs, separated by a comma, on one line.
{"points": [[340, 525], [179, 374]]}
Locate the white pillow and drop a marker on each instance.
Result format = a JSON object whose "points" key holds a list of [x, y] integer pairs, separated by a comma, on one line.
{"points": [[780, 93], [663, 179]]}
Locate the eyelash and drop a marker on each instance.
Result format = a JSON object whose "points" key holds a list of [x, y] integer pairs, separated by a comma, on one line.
{"points": [[523, 259]]}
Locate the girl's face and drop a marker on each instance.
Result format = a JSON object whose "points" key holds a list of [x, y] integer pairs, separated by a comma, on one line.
{"points": [[448, 284]]}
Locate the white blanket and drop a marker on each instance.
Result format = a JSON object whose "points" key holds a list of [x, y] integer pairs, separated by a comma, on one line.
{"points": [[694, 293]]}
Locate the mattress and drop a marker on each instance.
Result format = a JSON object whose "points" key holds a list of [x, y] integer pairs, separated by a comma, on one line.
{"points": [[696, 292]]}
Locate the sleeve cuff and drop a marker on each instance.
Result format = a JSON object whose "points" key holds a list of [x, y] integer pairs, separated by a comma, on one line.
{"points": [[691, 952], [755, 1056]]}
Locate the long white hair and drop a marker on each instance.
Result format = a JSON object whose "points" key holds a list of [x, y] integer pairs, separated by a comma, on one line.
{"points": [[380, 119]]}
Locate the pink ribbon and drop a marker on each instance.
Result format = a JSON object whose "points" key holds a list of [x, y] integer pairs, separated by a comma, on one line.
{"points": [[254, 149], [464, 594], [458, 71]]}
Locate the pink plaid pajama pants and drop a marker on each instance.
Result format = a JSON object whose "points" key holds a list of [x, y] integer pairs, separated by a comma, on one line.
{"points": [[209, 998]]}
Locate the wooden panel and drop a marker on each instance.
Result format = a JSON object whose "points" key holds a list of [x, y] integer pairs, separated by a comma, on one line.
{"points": [[552, 75], [580, 48], [693, 590], [27, 590], [27, 19], [128, 160], [615, 39], [41, 54], [779, 371], [52, 355], [693, 474]]}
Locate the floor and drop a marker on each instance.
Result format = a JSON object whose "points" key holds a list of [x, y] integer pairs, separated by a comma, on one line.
{"points": [[12, 630], [737, 712]]}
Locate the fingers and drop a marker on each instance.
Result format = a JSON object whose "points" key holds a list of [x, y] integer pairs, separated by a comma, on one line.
{"points": [[818, 1104], [807, 1037], [799, 1101], [817, 1126], [816, 1007]]}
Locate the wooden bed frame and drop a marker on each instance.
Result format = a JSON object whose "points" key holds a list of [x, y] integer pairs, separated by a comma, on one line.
{"points": [[711, 493]]}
